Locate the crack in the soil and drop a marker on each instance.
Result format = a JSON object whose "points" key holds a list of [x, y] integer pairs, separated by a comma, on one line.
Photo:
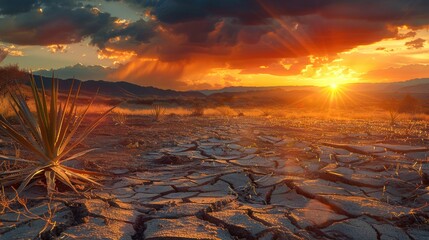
{"points": [[277, 231]]}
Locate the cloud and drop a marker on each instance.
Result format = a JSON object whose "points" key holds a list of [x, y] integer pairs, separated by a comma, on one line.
{"points": [[70, 21], [116, 55], [153, 72], [180, 75], [185, 28], [256, 12], [123, 35], [57, 48], [410, 34], [78, 71], [415, 44], [406, 72], [11, 50], [279, 67], [231, 80], [57, 24], [176, 42], [13, 7]]}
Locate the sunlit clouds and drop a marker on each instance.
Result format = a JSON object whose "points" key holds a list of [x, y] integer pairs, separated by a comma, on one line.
{"points": [[57, 48], [11, 50], [115, 55]]}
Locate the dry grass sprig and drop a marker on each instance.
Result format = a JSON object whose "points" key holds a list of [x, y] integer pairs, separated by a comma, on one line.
{"points": [[19, 206], [119, 117], [197, 111], [158, 111]]}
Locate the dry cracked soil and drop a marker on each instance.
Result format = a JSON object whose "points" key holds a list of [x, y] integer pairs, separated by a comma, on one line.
{"points": [[242, 178]]}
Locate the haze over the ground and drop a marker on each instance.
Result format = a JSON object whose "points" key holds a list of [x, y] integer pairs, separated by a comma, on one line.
{"points": [[212, 44]]}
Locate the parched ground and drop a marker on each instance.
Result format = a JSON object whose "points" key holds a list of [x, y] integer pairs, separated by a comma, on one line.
{"points": [[244, 178]]}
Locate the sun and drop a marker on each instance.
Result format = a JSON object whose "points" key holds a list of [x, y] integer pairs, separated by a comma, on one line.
{"points": [[333, 86]]}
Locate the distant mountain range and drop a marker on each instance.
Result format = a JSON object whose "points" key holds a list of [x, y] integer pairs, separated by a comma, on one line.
{"points": [[251, 89], [130, 90], [420, 85], [119, 89], [421, 88]]}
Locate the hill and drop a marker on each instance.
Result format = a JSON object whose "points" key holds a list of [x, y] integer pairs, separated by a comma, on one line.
{"points": [[421, 88], [253, 89], [119, 89], [420, 85], [412, 84]]}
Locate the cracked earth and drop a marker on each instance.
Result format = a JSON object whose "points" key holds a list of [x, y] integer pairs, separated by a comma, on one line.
{"points": [[243, 178]]}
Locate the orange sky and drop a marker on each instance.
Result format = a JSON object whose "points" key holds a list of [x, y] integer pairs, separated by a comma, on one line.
{"points": [[206, 45], [387, 60]]}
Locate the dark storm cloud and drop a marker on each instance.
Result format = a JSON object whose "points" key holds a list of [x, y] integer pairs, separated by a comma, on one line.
{"points": [[180, 11], [415, 44], [56, 25], [413, 12], [13, 7], [312, 27], [133, 34], [70, 21], [396, 12], [63, 22]]}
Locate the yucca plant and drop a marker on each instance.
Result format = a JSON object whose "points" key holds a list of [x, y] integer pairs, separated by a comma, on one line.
{"points": [[50, 134]]}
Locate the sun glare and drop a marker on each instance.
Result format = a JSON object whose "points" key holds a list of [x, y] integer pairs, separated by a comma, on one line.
{"points": [[336, 95]]}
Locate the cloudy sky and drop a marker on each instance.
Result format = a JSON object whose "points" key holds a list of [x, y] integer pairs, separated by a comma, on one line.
{"points": [[201, 44]]}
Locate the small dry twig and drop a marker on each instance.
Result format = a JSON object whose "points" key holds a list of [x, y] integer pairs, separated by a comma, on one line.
{"points": [[6, 205]]}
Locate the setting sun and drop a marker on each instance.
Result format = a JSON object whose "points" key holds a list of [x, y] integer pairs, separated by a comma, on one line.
{"points": [[333, 86]]}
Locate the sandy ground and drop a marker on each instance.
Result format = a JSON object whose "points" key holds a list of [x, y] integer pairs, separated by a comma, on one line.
{"points": [[243, 178]]}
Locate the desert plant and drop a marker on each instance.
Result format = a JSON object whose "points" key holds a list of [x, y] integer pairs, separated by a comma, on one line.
{"points": [[226, 111], [197, 111], [157, 111], [119, 117], [9, 76], [393, 114], [411, 125], [5, 109], [269, 112], [50, 135]]}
